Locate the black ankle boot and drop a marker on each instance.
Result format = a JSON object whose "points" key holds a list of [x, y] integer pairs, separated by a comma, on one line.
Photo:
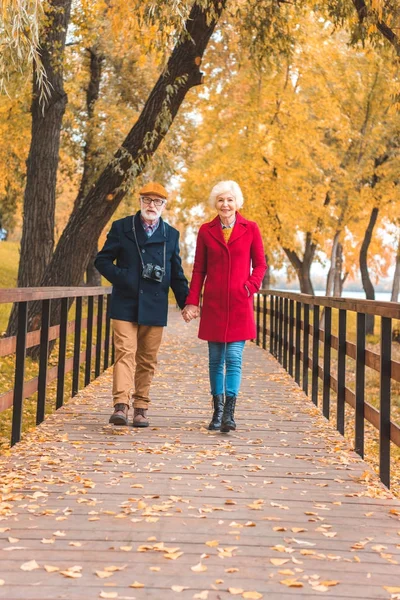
{"points": [[228, 423], [218, 403]]}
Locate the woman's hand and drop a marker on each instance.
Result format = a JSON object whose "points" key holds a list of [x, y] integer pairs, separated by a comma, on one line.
{"points": [[190, 312]]}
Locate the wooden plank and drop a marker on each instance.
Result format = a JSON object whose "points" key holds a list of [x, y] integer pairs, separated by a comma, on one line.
{"points": [[8, 295]]}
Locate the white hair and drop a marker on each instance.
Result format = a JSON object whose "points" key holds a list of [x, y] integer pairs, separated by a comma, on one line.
{"points": [[222, 187]]}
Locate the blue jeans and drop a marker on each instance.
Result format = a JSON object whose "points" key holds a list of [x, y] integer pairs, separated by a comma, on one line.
{"points": [[225, 367]]}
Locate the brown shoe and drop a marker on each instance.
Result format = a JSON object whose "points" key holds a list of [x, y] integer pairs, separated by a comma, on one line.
{"points": [[140, 417], [120, 414]]}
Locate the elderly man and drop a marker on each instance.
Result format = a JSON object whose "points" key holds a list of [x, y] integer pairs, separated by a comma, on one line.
{"points": [[141, 260]]}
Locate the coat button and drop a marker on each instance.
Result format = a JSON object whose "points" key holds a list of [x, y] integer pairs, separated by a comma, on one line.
{"points": [[143, 251], [141, 291]]}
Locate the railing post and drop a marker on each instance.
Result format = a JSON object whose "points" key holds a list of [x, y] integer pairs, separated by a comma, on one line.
{"points": [[315, 355], [341, 371], [327, 362], [271, 323], [19, 373], [258, 319], [107, 333], [291, 336], [62, 352], [77, 346], [384, 409], [99, 334], [306, 340], [280, 331], [276, 326], [89, 340], [360, 385], [298, 338], [43, 357], [285, 333], [264, 322]]}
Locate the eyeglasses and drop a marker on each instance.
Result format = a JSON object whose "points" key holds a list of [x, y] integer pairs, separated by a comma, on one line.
{"points": [[156, 201]]}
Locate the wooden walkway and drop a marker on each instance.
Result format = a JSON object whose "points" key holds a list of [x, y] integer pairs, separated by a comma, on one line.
{"points": [[279, 509]]}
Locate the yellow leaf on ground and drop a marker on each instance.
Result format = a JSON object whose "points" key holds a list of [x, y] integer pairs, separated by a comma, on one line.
{"points": [[154, 569], [172, 555], [51, 569], [291, 583], [125, 548], [2, 582], [30, 566], [235, 591], [392, 590], [278, 561], [201, 595], [252, 595], [108, 594], [178, 588], [136, 584], [199, 568], [212, 543], [331, 583], [103, 574]]}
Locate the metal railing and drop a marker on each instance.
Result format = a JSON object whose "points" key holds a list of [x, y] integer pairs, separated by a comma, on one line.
{"points": [[47, 334], [284, 318]]}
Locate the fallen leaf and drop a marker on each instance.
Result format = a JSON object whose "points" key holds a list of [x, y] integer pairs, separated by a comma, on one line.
{"points": [[30, 566], [212, 543], [199, 568], [201, 595], [172, 555], [278, 561], [392, 590], [292, 583], [252, 595], [331, 583], [51, 569], [108, 594], [178, 588], [125, 548], [103, 574], [136, 584], [2, 582], [13, 540], [154, 569], [235, 591]]}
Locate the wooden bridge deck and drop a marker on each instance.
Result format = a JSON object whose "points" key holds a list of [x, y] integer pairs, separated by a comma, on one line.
{"points": [[279, 509]]}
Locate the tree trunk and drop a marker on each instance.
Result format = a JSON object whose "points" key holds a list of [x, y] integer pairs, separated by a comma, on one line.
{"points": [[37, 242], [93, 277], [396, 276], [266, 284], [88, 220], [366, 280], [303, 267], [339, 279], [330, 280]]}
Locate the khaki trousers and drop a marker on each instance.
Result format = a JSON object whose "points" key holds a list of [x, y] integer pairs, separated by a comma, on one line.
{"points": [[136, 348]]}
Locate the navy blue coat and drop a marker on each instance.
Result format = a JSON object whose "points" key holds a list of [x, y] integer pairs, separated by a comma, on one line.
{"points": [[135, 299]]}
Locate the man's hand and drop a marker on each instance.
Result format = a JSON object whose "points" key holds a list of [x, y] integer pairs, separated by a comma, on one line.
{"points": [[190, 312]]}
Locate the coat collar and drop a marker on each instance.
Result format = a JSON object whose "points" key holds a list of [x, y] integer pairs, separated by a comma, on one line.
{"points": [[238, 230], [157, 237]]}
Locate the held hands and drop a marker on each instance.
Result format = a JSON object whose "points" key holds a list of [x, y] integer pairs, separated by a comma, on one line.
{"points": [[190, 312]]}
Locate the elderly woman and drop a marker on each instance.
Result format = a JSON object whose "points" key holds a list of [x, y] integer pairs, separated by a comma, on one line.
{"points": [[230, 258]]}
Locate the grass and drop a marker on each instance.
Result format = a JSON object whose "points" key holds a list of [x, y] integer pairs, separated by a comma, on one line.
{"points": [[9, 258]]}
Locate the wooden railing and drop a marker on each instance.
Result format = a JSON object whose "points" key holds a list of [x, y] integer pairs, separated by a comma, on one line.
{"points": [[284, 319], [48, 334]]}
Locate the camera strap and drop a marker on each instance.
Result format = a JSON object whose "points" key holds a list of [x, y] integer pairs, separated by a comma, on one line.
{"points": [[138, 247]]}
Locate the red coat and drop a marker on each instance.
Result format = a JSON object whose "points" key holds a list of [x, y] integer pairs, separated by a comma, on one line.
{"points": [[227, 311]]}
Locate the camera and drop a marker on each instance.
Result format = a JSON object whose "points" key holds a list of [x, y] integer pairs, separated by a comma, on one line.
{"points": [[153, 272]]}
